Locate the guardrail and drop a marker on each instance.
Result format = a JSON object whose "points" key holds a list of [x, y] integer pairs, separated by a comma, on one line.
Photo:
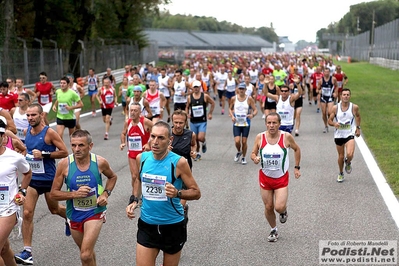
{"points": [[117, 73]]}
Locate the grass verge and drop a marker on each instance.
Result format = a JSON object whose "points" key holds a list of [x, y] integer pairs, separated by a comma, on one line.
{"points": [[376, 90]]}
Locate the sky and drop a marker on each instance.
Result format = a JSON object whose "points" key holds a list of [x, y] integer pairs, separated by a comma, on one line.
{"points": [[297, 19]]}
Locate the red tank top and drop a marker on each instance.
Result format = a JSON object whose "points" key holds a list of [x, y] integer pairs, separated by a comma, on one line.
{"points": [[137, 137], [45, 92], [107, 98]]}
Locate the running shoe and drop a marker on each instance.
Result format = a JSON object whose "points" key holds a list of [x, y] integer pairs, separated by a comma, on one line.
{"points": [[310, 103], [214, 98], [25, 258], [93, 114], [263, 116], [168, 119], [296, 132], [325, 130], [198, 157], [243, 161], [237, 157], [106, 136], [318, 110], [220, 104], [340, 178], [204, 148], [283, 217], [348, 167], [273, 236], [67, 229], [222, 111]]}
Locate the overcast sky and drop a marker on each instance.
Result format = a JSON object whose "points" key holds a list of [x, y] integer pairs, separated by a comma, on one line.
{"points": [[297, 19]]}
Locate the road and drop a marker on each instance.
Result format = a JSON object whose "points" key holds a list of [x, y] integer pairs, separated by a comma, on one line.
{"points": [[227, 225]]}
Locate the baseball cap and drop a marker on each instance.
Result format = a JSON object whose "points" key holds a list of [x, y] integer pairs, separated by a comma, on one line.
{"points": [[137, 88], [196, 83], [242, 86]]}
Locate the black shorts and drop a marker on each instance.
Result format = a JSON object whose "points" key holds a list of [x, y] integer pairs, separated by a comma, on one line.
{"points": [[169, 238], [69, 123], [298, 103], [106, 111], [342, 141], [41, 186], [270, 105], [326, 99], [123, 104], [154, 116], [221, 93], [181, 106], [315, 92]]}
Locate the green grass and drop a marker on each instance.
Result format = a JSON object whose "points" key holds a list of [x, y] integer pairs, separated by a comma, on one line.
{"points": [[376, 91]]}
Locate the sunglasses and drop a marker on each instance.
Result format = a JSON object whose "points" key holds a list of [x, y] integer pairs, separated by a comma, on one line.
{"points": [[284, 90], [21, 100]]}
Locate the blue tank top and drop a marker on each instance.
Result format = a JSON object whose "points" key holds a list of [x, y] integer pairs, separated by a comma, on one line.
{"points": [[42, 169], [80, 209], [158, 209]]}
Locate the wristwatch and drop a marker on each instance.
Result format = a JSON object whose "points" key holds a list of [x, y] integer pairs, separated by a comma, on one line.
{"points": [[297, 167], [108, 192], [178, 194], [23, 191], [358, 127]]}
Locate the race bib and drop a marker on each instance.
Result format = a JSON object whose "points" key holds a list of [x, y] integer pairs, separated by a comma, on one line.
{"points": [[241, 119], [36, 164], [4, 196], [283, 115], [20, 133], [44, 99], [198, 111], [345, 126], [135, 143], [272, 162], [88, 203], [62, 108], [153, 187], [109, 98], [154, 110], [326, 91], [339, 83], [92, 87]]}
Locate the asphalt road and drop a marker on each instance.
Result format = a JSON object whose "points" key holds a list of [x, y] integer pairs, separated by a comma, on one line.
{"points": [[227, 225]]}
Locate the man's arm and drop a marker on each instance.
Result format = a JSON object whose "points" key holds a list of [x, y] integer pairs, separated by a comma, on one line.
{"points": [[134, 198], [357, 119], [192, 192], [10, 122], [331, 117], [231, 108], [255, 150], [289, 139], [193, 143], [251, 102], [106, 170], [147, 108], [208, 99], [52, 137]]}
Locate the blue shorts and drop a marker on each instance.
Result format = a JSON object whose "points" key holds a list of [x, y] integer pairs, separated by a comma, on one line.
{"points": [[241, 131], [198, 127], [287, 128], [91, 93], [230, 94]]}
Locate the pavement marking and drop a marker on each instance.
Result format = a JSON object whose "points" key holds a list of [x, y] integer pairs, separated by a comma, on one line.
{"points": [[386, 192]]}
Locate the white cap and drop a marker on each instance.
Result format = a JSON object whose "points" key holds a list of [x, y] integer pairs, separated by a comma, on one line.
{"points": [[196, 83]]}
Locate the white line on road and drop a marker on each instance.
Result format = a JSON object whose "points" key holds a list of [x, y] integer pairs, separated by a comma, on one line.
{"points": [[379, 179]]}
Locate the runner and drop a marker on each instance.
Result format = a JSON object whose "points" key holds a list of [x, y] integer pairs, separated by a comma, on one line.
{"points": [[44, 145], [242, 110], [347, 125], [107, 101], [161, 225], [197, 109], [67, 101], [11, 198], [86, 196], [271, 150], [135, 135]]}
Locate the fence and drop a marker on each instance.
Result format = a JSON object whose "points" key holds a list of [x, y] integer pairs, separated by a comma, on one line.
{"points": [[383, 50], [27, 63]]}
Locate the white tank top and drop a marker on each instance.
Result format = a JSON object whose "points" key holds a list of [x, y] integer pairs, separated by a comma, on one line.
{"points": [[222, 79], [21, 123], [231, 85], [241, 112], [162, 87], [274, 157], [286, 111], [346, 121], [180, 87]]}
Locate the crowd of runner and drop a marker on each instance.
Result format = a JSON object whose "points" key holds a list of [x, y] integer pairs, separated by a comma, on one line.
{"points": [[165, 110]]}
